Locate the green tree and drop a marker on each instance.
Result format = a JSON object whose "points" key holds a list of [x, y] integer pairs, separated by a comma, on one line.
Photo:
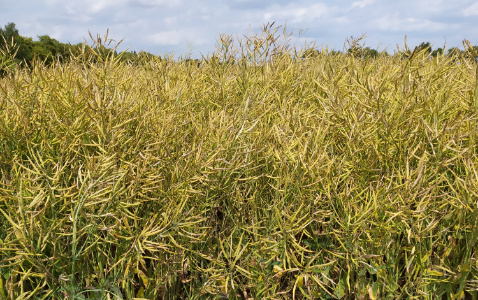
{"points": [[436, 52], [334, 52], [472, 52], [425, 46], [8, 48], [24, 45], [369, 53], [129, 57], [46, 49], [455, 53], [8, 34], [311, 52]]}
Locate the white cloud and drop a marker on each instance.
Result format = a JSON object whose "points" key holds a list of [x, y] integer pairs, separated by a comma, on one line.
{"points": [[295, 13], [155, 3], [341, 20], [171, 21], [362, 4], [396, 23], [471, 11], [98, 6], [86, 6], [175, 37], [170, 37]]}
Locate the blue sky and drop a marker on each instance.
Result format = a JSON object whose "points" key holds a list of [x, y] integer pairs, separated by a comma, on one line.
{"points": [[182, 27]]}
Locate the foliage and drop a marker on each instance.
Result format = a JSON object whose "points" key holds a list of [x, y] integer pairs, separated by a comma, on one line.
{"points": [[436, 52], [48, 50], [8, 51], [10, 35], [425, 47], [257, 174], [358, 49]]}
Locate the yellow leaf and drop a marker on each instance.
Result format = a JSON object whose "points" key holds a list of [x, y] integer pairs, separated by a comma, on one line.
{"points": [[300, 281], [143, 277], [2, 291], [460, 295], [433, 272], [294, 259], [277, 269], [10, 220], [140, 293], [370, 293], [425, 258]]}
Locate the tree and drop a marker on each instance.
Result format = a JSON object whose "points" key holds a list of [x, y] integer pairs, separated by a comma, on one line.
{"points": [[453, 50], [334, 52], [425, 46], [311, 52], [46, 49], [369, 53], [356, 46], [437, 52], [8, 34], [471, 52], [24, 45]]}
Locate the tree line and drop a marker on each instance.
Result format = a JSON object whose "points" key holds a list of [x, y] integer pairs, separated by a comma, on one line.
{"points": [[26, 51], [48, 50], [359, 50]]}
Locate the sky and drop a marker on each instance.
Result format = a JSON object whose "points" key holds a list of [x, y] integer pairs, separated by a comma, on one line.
{"points": [[191, 28]]}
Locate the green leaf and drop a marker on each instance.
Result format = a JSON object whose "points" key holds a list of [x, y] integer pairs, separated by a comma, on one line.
{"points": [[117, 292], [341, 288]]}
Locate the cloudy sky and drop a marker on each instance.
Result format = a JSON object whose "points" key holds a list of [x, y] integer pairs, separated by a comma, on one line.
{"points": [[192, 26]]}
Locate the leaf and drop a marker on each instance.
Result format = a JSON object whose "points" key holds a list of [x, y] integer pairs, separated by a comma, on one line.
{"points": [[300, 281], [117, 292], [277, 269], [370, 292], [2, 291], [10, 220], [143, 277], [425, 257], [433, 272], [340, 288], [140, 293]]}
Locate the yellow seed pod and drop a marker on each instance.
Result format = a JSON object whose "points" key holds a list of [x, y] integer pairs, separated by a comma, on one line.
{"points": [[300, 281]]}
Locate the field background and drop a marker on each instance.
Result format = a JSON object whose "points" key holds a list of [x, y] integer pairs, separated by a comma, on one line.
{"points": [[262, 172]]}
